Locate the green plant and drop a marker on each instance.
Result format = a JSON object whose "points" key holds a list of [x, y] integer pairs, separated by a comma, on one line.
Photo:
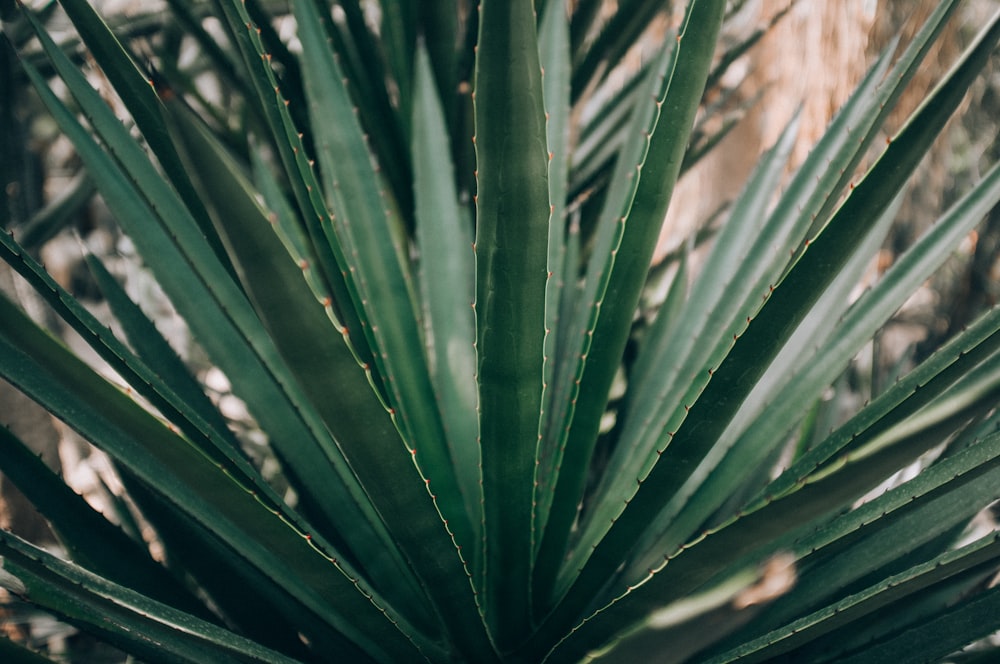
{"points": [[448, 505]]}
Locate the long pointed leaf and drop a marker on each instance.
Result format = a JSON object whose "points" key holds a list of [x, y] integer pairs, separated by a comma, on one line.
{"points": [[512, 213], [554, 54], [621, 261], [447, 283]]}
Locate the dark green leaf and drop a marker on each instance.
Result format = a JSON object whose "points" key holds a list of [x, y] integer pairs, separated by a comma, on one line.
{"points": [[512, 217]]}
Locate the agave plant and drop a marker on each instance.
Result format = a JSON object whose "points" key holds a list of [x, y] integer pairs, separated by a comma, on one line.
{"points": [[554, 473]]}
